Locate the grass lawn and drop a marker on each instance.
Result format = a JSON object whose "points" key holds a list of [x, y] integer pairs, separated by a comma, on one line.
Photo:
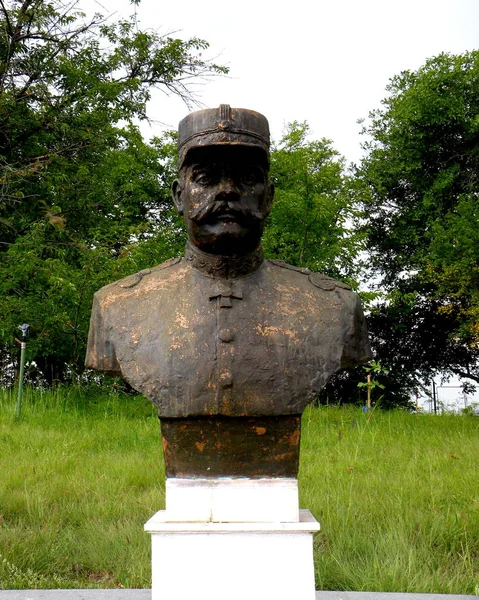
{"points": [[397, 494]]}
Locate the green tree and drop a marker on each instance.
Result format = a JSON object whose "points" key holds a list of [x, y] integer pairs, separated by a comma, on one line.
{"points": [[311, 221], [421, 217], [83, 198]]}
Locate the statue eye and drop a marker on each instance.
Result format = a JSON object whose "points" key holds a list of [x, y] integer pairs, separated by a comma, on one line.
{"points": [[203, 177], [251, 176]]}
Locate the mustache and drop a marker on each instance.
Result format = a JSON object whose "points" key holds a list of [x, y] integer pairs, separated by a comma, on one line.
{"points": [[217, 208]]}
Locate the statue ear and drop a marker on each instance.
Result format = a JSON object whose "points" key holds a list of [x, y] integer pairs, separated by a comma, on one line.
{"points": [[176, 194], [270, 197]]}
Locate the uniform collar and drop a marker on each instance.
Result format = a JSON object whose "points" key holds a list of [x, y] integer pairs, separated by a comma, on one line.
{"points": [[224, 267]]}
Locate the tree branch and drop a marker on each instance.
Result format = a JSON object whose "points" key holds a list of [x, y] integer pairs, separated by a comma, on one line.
{"points": [[465, 374]]}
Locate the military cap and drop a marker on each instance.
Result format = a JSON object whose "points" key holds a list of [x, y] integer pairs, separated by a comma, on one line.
{"points": [[222, 126]]}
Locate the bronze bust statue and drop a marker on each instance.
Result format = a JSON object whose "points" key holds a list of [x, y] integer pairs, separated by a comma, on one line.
{"points": [[229, 346]]}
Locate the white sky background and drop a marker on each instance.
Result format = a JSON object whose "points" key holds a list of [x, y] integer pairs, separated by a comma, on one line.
{"points": [[326, 62]]}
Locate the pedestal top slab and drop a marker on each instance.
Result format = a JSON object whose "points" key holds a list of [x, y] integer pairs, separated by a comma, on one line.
{"points": [[159, 523], [232, 500]]}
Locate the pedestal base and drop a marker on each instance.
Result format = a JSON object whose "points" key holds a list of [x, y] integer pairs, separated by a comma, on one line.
{"points": [[237, 561]]}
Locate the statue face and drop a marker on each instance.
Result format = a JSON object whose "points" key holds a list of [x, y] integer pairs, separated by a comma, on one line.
{"points": [[224, 195]]}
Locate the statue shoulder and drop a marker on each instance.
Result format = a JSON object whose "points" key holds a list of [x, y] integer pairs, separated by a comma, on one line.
{"points": [[118, 288], [133, 280], [283, 265], [323, 282]]}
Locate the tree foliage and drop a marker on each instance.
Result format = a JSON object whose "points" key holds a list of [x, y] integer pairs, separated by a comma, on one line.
{"points": [[312, 217], [422, 169], [83, 198]]}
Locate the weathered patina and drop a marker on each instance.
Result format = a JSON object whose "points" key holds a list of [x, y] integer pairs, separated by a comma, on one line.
{"points": [[222, 337], [235, 447]]}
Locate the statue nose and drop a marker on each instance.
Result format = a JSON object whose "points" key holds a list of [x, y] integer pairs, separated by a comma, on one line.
{"points": [[228, 189]]}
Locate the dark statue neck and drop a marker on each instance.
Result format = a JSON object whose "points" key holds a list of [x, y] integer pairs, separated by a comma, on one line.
{"points": [[224, 267]]}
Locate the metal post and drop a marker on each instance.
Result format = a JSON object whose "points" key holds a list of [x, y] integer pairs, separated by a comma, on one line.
{"points": [[20, 380], [368, 400], [23, 345], [434, 396]]}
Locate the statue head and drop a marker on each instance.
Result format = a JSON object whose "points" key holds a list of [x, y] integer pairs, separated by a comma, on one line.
{"points": [[223, 190]]}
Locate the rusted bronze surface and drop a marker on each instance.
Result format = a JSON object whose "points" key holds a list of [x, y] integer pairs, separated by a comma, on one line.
{"points": [[231, 447], [225, 126], [260, 344], [222, 332]]}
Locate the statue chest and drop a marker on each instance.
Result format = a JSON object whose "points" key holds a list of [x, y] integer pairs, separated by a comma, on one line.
{"points": [[241, 347]]}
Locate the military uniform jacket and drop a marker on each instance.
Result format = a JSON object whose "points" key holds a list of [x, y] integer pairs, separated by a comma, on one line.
{"points": [[199, 337]]}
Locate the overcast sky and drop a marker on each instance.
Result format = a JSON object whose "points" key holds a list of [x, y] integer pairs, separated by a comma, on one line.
{"points": [[326, 62]]}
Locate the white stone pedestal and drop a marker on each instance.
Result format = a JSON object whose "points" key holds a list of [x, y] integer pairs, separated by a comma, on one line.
{"points": [[232, 539], [207, 560], [233, 500]]}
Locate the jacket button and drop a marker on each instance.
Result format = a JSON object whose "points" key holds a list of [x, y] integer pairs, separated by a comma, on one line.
{"points": [[226, 335], [226, 379]]}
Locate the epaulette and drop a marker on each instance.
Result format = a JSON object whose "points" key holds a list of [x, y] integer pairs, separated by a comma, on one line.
{"points": [[132, 280], [168, 263], [326, 283], [280, 263]]}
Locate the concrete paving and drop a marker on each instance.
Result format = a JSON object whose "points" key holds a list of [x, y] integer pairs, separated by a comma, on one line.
{"points": [[146, 595]]}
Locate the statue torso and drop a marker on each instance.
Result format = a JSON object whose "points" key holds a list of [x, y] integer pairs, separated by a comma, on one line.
{"points": [[260, 344]]}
